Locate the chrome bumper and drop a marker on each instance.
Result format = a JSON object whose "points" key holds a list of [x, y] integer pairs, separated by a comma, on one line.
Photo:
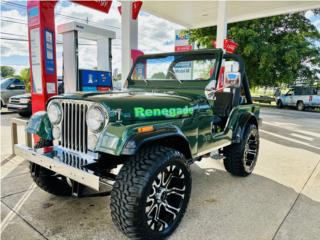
{"points": [[17, 106], [51, 159]]}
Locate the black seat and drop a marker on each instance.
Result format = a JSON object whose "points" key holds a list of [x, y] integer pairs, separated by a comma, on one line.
{"points": [[223, 104]]}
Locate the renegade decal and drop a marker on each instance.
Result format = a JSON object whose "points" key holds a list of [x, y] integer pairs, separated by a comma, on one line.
{"points": [[140, 112]]}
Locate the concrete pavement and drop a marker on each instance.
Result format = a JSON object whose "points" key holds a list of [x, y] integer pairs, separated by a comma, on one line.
{"points": [[281, 200]]}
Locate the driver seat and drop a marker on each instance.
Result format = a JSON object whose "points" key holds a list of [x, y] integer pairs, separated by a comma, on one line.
{"points": [[223, 104]]}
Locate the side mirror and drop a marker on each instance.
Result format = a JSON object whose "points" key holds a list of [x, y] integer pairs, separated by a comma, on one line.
{"points": [[232, 79], [210, 90], [232, 76]]}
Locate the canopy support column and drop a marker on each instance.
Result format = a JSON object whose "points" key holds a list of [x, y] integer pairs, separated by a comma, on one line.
{"points": [[221, 23], [129, 37], [104, 56]]}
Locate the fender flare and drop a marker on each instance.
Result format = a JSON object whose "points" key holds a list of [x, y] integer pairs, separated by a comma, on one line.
{"points": [[134, 143], [244, 119], [40, 125]]}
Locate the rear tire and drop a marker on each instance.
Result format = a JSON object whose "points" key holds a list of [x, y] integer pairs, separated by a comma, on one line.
{"points": [[46, 179], [300, 106], [241, 158], [151, 193]]}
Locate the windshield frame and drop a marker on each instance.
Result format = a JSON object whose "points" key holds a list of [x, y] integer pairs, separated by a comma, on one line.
{"points": [[218, 54]]}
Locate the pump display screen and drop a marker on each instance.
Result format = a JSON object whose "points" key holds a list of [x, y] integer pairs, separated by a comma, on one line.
{"points": [[175, 67], [94, 80]]}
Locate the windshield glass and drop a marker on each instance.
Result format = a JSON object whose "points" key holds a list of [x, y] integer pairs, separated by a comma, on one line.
{"points": [[175, 67], [5, 83]]}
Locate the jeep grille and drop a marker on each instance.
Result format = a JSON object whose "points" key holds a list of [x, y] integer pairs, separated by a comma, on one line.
{"points": [[74, 128]]}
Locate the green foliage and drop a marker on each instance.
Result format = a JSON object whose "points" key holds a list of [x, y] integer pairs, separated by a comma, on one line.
{"points": [[277, 50], [25, 76], [7, 71], [158, 75]]}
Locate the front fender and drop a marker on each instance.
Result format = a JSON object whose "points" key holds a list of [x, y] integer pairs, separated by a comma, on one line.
{"points": [[134, 143], [118, 139], [40, 125]]}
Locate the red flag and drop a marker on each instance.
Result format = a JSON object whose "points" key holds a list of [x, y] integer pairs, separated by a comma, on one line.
{"points": [[100, 5]]}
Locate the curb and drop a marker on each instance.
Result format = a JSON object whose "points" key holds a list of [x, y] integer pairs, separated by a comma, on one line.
{"points": [[4, 113]]}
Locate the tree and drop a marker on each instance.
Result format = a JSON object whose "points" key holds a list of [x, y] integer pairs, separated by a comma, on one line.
{"points": [[158, 75], [7, 71], [276, 50], [25, 76]]}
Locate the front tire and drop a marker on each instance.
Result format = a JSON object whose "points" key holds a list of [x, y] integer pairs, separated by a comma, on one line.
{"points": [[151, 193], [47, 180], [241, 158]]}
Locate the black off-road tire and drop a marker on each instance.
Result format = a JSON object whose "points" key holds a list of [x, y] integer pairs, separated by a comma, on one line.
{"points": [[134, 186], [46, 179], [235, 154]]}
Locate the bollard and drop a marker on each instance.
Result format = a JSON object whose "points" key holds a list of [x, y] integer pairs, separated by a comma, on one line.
{"points": [[14, 132]]}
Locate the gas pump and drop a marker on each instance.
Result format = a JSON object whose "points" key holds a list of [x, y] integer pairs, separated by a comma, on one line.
{"points": [[83, 79], [42, 49]]}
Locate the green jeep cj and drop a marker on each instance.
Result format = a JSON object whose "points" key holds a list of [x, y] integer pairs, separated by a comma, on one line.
{"points": [[141, 141]]}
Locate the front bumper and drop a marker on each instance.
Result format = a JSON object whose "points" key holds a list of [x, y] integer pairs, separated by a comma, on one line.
{"points": [[20, 107], [55, 160]]}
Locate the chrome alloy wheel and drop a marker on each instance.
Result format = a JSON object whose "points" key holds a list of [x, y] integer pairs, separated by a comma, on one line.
{"points": [[165, 198], [251, 151]]}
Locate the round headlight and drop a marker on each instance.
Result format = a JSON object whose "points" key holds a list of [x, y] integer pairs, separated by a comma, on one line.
{"points": [[96, 119], [54, 113]]}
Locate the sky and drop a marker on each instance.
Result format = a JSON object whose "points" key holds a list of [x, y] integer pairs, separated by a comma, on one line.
{"points": [[152, 37], [155, 34]]}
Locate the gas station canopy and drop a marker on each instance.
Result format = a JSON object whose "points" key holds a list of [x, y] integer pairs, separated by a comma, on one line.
{"points": [[194, 14]]}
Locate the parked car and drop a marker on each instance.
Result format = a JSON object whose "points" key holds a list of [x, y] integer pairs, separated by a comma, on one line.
{"points": [[153, 130], [22, 103], [10, 87], [301, 97]]}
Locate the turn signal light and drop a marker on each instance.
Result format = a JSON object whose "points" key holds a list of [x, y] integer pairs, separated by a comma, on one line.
{"points": [[145, 129]]}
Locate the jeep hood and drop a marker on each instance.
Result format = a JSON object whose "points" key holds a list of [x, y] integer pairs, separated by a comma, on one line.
{"points": [[140, 104]]}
